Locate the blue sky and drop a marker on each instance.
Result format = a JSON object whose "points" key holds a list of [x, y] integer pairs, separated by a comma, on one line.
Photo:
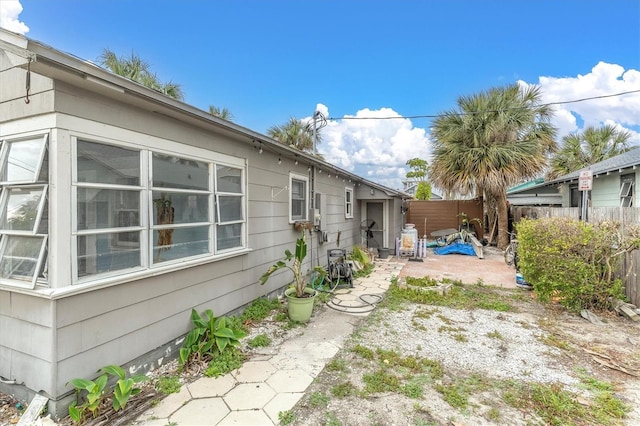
{"points": [[267, 61]]}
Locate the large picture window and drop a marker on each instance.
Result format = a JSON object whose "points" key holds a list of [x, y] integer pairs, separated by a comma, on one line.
{"points": [[24, 215], [138, 209], [298, 198]]}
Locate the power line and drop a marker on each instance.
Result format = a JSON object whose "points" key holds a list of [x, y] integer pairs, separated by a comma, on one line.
{"points": [[478, 112]]}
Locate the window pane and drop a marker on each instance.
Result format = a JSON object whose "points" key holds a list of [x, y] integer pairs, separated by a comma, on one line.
{"points": [[175, 172], [99, 163], [108, 252], [178, 243], [230, 208], [229, 236], [177, 207], [22, 162], [20, 256], [297, 189], [229, 179], [297, 208], [21, 209], [107, 208]]}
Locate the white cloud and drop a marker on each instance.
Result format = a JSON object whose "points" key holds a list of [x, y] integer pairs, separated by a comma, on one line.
{"points": [[9, 12], [603, 80], [377, 149]]}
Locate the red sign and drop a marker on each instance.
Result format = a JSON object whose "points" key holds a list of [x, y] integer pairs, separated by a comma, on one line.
{"points": [[585, 182]]}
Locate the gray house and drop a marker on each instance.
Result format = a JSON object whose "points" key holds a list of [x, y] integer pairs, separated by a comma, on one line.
{"points": [[122, 209], [615, 183]]}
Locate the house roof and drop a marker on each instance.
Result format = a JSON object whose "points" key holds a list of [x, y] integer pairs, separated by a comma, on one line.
{"points": [[66, 67], [629, 159]]}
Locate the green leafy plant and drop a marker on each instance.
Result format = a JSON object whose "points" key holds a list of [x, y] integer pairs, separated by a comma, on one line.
{"points": [[208, 336], [97, 391], [260, 340], [168, 384], [575, 262], [294, 262]]}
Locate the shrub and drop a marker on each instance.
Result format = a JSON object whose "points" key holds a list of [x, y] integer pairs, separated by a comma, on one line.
{"points": [[574, 261]]}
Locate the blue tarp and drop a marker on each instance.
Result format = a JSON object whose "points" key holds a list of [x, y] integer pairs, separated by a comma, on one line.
{"points": [[455, 248]]}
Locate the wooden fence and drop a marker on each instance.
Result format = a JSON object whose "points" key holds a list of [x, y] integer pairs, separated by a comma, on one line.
{"points": [[624, 215]]}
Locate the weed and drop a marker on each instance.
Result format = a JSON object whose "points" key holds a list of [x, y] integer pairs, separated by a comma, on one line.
{"points": [[332, 420], [592, 383], [364, 352], [445, 319], [414, 389], [493, 414], [168, 384], [343, 390], [318, 399], [261, 340], [286, 417], [555, 341], [281, 317], [380, 381], [224, 363], [452, 396], [495, 334], [259, 309], [459, 337], [337, 364]]}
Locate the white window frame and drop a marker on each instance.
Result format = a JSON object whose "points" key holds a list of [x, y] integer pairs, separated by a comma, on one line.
{"points": [[348, 203], [146, 225], [627, 187], [6, 186], [293, 177]]}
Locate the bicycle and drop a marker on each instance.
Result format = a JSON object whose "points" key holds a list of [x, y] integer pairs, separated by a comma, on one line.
{"points": [[511, 252]]}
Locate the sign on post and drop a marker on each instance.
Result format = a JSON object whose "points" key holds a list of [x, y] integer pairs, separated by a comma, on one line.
{"points": [[585, 182]]}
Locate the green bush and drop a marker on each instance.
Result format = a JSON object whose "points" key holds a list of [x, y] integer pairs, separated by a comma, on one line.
{"points": [[573, 261]]}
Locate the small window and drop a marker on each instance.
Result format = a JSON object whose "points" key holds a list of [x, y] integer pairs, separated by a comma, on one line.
{"points": [[627, 183], [348, 203], [24, 161], [298, 196]]}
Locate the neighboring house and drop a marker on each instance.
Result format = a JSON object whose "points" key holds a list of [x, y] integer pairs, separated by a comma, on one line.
{"points": [[615, 184], [410, 187], [122, 209]]}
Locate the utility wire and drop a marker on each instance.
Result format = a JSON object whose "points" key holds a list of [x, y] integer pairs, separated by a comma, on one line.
{"points": [[479, 112]]}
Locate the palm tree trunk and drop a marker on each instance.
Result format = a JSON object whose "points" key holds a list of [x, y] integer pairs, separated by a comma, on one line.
{"points": [[503, 220]]}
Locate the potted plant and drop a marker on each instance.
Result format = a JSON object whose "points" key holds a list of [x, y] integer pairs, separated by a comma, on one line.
{"points": [[300, 297]]}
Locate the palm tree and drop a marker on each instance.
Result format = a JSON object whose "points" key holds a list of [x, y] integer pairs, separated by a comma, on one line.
{"points": [[136, 69], [295, 133], [223, 113], [494, 140], [591, 146]]}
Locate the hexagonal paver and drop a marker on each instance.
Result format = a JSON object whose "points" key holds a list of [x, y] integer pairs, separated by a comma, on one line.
{"points": [[204, 411], [290, 381], [254, 371], [247, 396], [212, 386], [281, 402], [247, 418]]}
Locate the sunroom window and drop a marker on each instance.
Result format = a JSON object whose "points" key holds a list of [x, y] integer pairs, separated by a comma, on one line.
{"points": [[139, 209], [229, 208], [108, 197], [181, 199], [23, 211]]}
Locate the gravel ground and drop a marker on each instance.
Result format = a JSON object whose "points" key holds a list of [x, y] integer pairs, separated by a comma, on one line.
{"points": [[480, 348]]}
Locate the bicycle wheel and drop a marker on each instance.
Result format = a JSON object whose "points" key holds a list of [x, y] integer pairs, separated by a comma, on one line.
{"points": [[509, 254]]}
